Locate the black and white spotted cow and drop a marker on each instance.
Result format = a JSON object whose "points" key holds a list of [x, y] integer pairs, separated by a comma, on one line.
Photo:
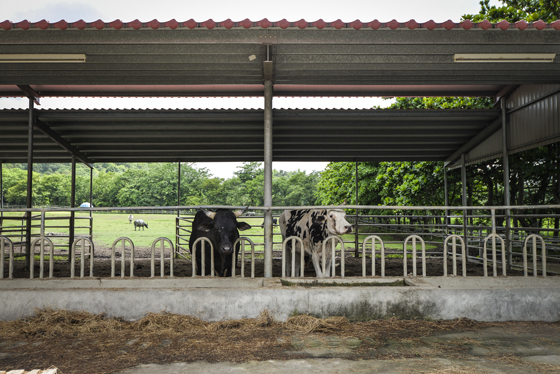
{"points": [[312, 226]]}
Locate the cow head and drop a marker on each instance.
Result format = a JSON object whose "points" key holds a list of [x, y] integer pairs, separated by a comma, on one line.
{"points": [[224, 228], [336, 223]]}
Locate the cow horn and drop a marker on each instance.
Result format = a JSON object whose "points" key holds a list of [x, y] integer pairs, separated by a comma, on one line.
{"points": [[239, 213], [210, 215]]}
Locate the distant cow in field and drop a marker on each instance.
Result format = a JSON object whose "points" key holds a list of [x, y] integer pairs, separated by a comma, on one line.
{"points": [[274, 221], [250, 214], [139, 223], [313, 227], [221, 227], [130, 218]]}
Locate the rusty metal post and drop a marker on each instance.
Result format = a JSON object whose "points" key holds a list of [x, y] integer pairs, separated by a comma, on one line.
{"points": [[31, 124], [268, 233]]}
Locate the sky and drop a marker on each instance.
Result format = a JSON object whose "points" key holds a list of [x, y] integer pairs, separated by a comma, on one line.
{"points": [[236, 10]]}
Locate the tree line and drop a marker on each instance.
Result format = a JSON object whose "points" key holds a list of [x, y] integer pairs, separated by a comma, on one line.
{"points": [[155, 184]]}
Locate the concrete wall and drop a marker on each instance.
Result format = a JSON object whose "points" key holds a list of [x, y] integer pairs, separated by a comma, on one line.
{"points": [[481, 299]]}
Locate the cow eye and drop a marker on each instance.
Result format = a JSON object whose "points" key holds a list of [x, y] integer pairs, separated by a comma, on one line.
{"points": [[331, 216]]}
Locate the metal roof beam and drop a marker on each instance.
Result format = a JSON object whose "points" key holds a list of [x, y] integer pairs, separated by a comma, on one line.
{"points": [[63, 143], [476, 140], [30, 92]]}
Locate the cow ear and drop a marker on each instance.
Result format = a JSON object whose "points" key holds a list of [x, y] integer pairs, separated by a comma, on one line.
{"points": [[204, 227], [320, 219], [243, 226]]}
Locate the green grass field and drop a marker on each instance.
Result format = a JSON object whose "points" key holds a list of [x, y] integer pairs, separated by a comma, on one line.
{"points": [[107, 227]]}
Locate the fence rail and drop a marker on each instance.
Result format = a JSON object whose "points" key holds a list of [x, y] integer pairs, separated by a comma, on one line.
{"points": [[438, 231]]}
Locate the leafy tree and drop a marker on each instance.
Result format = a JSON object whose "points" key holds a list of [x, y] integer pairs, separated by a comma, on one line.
{"points": [[337, 184], [15, 186], [442, 103], [517, 10], [294, 188]]}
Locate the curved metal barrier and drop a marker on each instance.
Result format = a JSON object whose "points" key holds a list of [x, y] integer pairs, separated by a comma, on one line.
{"points": [[293, 272], [414, 238], [42, 241], [494, 257], [3, 241], [82, 257], [543, 256], [162, 240], [374, 239], [202, 257], [454, 254], [122, 239], [242, 240], [334, 239]]}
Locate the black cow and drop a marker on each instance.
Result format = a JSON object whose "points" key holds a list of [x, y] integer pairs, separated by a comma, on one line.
{"points": [[221, 227], [139, 223], [274, 221]]}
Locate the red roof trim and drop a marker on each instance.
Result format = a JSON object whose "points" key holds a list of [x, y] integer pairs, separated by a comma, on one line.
{"points": [[154, 24], [80, 24], [63, 25], [357, 24], [6, 25], [412, 24], [521, 25], [264, 23], [99, 24], [320, 24], [283, 24], [228, 24], [449, 25], [467, 25], [173, 24], [430, 25], [246, 23]]}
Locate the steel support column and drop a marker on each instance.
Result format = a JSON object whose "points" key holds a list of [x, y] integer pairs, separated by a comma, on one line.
{"points": [[446, 202], [1, 196], [464, 188], [178, 187], [506, 184], [268, 233], [31, 124], [177, 232], [91, 203], [72, 205], [356, 235]]}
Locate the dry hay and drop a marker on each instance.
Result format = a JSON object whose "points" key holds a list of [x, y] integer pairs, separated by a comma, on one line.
{"points": [[307, 324], [85, 343]]}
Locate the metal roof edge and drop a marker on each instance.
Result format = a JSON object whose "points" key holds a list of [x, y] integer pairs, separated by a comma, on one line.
{"points": [[282, 24]]}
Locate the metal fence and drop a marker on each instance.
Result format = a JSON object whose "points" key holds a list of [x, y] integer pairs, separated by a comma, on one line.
{"points": [[453, 235]]}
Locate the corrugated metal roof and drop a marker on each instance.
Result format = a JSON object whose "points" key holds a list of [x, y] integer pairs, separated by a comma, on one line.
{"points": [[238, 135]]}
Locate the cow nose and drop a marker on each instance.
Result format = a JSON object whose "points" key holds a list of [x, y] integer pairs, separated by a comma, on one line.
{"points": [[348, 229], [226, 250]]}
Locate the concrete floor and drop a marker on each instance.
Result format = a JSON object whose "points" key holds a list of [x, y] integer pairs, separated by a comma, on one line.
{"points": [[493, 350]]}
